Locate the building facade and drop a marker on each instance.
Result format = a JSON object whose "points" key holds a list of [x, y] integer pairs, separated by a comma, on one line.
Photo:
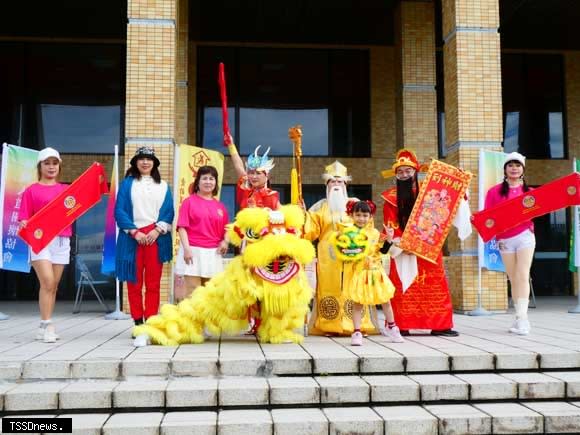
{"points": [[444, 78]]}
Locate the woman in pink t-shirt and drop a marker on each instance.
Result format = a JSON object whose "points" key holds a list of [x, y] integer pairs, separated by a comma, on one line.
{"points": [[202, 229], [48, 263], [517, 244]]}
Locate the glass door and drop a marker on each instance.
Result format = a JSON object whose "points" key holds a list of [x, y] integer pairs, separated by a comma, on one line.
{"points": [[550, 274]]}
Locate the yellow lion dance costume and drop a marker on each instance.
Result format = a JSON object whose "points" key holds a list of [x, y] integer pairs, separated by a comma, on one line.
{"points": [[269, 272]]}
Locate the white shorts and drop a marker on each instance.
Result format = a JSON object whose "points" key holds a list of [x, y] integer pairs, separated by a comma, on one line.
{"points": [[206, 262], [511, 245], [57, 251]]}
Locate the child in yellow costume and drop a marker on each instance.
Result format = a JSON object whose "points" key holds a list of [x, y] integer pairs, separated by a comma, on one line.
{"points": [[269, 271], [366, 282]]}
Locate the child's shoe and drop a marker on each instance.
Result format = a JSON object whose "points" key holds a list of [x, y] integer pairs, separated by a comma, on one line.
{"points": [[356, 339], [393, 334]]}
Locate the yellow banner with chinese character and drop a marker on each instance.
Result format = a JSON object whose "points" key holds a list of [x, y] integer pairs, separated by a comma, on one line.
{"points": [[189, 159], [434, 210]]}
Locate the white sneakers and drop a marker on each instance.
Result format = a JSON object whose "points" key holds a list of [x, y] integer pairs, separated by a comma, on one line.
{"points": [[356, 339], [393, 334], [48, 334], [142, 340], [520, 327]]}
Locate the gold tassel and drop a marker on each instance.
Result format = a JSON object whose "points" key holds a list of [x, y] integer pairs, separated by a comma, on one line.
{"points": [[294, 186]]}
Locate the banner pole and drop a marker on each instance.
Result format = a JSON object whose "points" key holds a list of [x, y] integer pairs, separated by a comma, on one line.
{"points": [[4, 153], [480, 310], [117, 314], [176, 160], [576, 309]]}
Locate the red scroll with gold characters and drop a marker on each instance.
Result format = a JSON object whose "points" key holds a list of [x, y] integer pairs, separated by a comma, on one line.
{"points": [[67, 207], [434, 210], [550, 197]]}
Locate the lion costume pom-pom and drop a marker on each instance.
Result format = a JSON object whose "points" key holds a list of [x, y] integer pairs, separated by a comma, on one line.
{"points": [[269, 272]]}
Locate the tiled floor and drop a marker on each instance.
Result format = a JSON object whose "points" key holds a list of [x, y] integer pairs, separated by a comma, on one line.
{"points": [[484, 344]]}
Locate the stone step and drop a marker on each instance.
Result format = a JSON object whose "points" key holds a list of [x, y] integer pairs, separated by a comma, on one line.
{"points": [[309, 391], [485, 418], [318, 356]]}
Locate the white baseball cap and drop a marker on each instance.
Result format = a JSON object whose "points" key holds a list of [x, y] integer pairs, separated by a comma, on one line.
{"points": [[514, 157], [47, 153]]}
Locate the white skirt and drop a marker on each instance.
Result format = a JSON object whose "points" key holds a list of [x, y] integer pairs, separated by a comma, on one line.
{"points": [[206, 262]]}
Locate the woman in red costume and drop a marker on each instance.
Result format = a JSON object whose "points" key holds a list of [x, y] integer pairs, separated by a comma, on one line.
{"points": [[252, 189]]}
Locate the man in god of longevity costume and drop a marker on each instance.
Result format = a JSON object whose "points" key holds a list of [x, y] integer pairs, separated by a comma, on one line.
{"points": [[332, 313], [252, 189], [268, 271], [426, 303]]}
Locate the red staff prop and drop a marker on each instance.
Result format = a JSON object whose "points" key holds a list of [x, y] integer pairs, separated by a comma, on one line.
{"points": [[224, 98], [552, 196]]}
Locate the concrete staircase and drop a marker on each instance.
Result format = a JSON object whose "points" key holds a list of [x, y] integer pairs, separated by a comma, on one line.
{"points": [[484, 381]]}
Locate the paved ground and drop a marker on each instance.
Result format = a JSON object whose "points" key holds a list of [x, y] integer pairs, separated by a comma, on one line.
{"points": [[88, 342], [484, 381]]}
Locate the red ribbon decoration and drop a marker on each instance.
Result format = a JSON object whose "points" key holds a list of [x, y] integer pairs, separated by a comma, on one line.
{"points": [[65, 208], [224, 98], [555, 195]]}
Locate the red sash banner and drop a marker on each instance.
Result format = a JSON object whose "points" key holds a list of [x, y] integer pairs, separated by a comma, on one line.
{"points": [[552, 196], [434, 210], [67, 207]]}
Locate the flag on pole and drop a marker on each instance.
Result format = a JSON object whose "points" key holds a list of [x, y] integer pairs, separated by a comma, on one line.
{"points": [[67, 207], [575, 233], [490, 173], [110, 239], [18, 171]]}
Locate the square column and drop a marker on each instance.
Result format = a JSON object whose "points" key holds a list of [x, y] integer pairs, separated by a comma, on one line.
{"points": [[416, 96], [473, 120], [156, 83]]}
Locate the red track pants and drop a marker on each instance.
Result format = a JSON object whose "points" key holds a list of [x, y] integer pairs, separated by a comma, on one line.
{"points": [[147, 266]]}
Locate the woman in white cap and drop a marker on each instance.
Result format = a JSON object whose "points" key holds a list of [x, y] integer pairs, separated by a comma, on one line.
{"points": [[144, 213], [48, 263], [516, 245]]}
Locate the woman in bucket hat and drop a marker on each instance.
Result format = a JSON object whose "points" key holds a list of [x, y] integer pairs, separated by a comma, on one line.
{"points": [[144, 213]]}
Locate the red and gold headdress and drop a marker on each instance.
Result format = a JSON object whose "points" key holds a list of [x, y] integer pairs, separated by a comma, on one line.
{"points": [[405, 157]]}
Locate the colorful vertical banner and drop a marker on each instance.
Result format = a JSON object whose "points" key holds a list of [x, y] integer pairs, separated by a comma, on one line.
{"points": [[188, 159], [575, 233], [490, 173], [433, 213], [18, 171], [110, 239]]}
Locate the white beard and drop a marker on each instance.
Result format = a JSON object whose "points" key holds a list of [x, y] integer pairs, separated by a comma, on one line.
{"points": [[337, 199]]}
